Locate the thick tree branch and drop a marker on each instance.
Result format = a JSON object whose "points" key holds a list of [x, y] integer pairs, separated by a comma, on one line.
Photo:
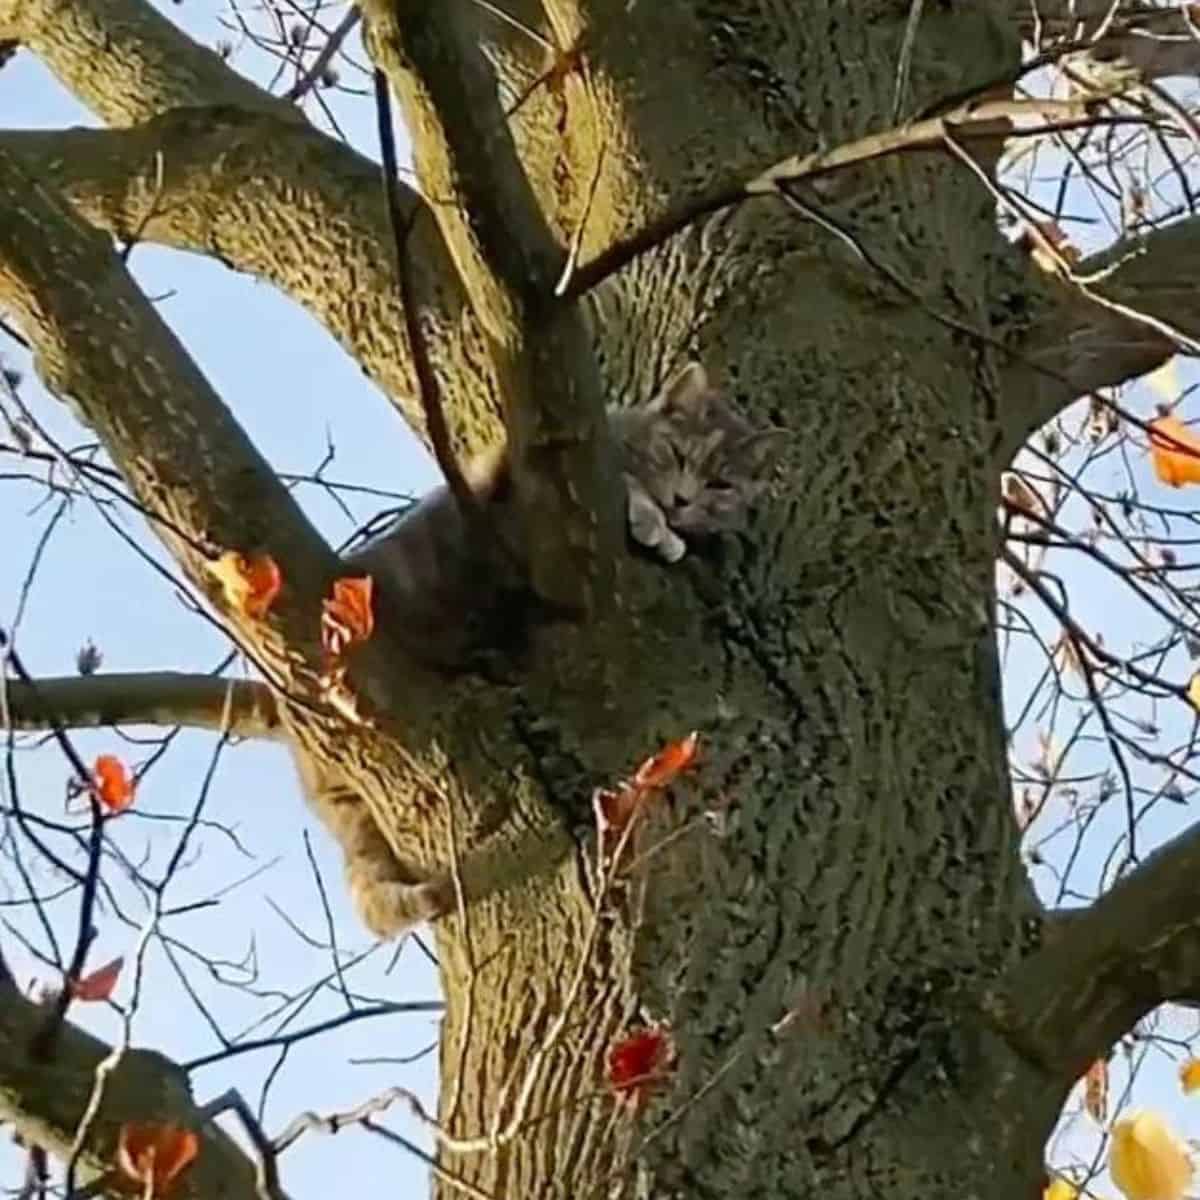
{"points": [[289, 205], [1082, 347], [44, 1102], [243, 707], [1104, 968], [126, 61], [508, 258], [466, 159], [102, 348]]}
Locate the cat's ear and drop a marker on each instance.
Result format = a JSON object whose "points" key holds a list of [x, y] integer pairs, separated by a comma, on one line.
{"points": [[759, 451], [686, 390]]}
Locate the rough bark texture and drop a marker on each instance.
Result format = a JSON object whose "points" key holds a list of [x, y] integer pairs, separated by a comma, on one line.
{"points": [[838, 659]]}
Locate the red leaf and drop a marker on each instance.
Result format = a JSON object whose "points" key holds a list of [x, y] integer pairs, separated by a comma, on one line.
{"points": [[346, 617], [99, 984], [111, 783], [661, 769], [154, 1154], [638, 1061]]}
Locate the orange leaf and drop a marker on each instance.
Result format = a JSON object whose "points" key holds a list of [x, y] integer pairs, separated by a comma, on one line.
{"points": [[1095, 1091], [1174, 464], [638, 1061], [1189, 1075], [153, 1155], [346, 617], [99, 984], [661, 769], [251, 582], [111, 783]]}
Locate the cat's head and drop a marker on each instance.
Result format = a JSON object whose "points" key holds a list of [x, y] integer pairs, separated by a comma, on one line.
{"points": [[696, 458]]}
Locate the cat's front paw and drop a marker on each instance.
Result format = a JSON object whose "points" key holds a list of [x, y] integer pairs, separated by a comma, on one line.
{"points": [[648, 524], [389, 908], [670, 547]]}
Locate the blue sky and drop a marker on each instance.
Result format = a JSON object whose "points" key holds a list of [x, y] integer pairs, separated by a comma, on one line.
{"points": [[296, 393]]}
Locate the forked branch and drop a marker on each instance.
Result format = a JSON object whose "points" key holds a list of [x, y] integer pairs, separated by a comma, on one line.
{"points": [[508, 259]]}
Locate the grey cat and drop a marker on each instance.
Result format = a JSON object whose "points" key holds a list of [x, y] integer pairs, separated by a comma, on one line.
{"points": [[692, 465]]}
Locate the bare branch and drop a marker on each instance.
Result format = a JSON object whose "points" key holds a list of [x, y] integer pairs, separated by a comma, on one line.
{"points": [[992, 121], [146, 698], [325, 56], [1104, 968]]}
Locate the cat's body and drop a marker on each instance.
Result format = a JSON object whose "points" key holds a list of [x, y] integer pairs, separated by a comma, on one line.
{"points": [[691, 465]]}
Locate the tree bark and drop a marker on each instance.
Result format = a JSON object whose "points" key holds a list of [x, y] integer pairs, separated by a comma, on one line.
{"points": [[832, 949]]}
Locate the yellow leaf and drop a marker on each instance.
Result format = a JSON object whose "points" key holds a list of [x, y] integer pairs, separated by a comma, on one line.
{"points": [[1059, 1189], [1189, 1072], [1146, 1160], [1193, 691]]}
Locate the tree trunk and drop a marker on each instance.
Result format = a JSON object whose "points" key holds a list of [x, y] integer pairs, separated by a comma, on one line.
{"points": [[839, 662]]}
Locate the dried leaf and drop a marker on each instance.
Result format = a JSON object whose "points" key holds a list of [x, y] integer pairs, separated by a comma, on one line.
{"points": [[89, 658], [638, 1061], [347, 617], [1095, 1091], [1020, 495], [111, 783], [566, 62], [1146, 1160], [154, 1155], [1067, 655], [99, 984], [1193, 691], [661, 769], [250, 582], [1050, 248], [1189, 1075], [614, 809], [1176, 456]]}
